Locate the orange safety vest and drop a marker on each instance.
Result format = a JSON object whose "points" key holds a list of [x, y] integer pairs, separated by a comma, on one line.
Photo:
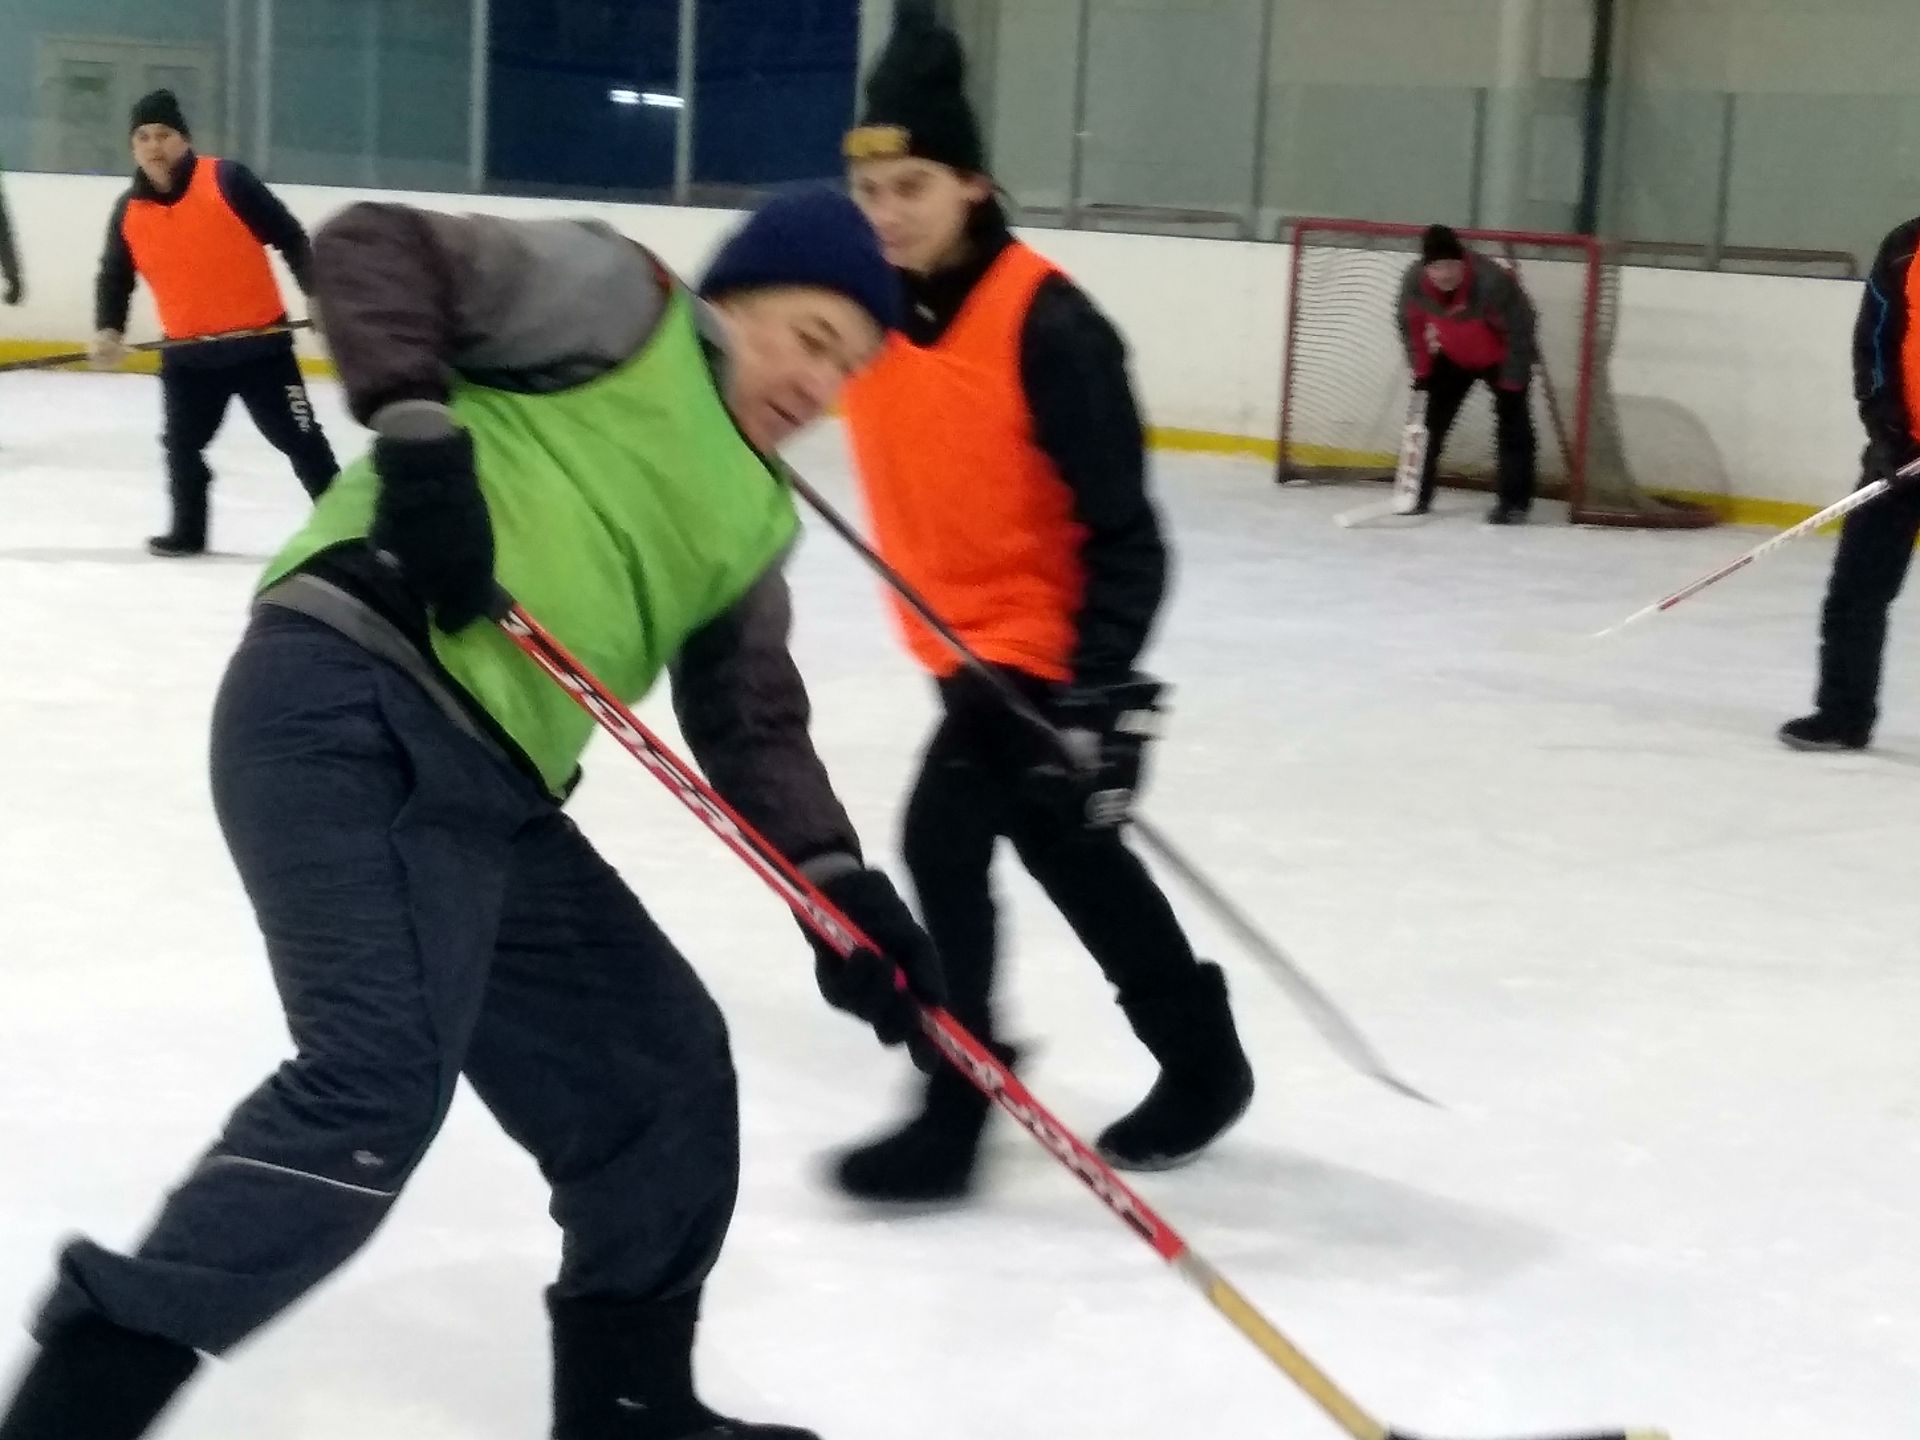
{"points": [[1910, 350], [207, 270], [961, 500]]}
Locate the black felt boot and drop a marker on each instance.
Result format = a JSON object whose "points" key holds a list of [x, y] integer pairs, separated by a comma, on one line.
{"points": [[623, 1370], [93, 1380], [187, 535], [934, 1156], [1823, 731], [1205, 1082]]}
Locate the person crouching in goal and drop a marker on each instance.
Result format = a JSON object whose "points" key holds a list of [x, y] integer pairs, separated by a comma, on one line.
{"points": [[1002, 461], [1465, 319]]}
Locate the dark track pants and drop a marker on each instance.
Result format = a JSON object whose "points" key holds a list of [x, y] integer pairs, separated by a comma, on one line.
{"points": [[428, 913], [1876, 547], [972, 791], [196, 399], [1447, 391]]}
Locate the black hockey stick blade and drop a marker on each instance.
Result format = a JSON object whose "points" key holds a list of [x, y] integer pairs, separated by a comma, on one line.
{"points": [[1325, 1016]]}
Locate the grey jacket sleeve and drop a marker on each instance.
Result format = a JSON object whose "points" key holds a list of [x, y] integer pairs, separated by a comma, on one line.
{"points": [[744, 712], [409, 298], [1513, 313]]}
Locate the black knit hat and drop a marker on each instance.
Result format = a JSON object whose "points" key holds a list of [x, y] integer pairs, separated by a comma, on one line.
{"points": [[159, 108], [1440, 243], [917, 98]]}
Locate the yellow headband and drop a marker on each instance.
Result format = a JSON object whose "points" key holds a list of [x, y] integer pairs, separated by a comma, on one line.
{"points": [[878, 142]]}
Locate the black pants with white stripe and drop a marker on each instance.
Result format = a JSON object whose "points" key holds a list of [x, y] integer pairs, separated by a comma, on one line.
{"points": [[275, 394], [428, 914]]}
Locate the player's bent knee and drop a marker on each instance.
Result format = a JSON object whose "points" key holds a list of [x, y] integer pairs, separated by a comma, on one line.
{"points": [[353, 1128]]}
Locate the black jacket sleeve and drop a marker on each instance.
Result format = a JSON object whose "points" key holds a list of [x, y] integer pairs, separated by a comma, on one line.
{"points": [[744, 712], [1881, 338], [9, 255], [1073, 367], [271, 222], [113, 291]]}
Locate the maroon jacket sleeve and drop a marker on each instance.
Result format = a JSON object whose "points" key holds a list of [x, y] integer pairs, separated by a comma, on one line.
{"points": [[410, 298]]}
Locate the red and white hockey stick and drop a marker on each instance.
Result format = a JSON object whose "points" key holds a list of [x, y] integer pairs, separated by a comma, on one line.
{"points": [[1866, 495], [966, 1053]]}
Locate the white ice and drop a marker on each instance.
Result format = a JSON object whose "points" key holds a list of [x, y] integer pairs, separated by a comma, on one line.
{"points": [[1662, 972]]}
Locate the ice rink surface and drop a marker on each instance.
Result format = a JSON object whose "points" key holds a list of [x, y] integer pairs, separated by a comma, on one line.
{"points": [[1662, 972]]}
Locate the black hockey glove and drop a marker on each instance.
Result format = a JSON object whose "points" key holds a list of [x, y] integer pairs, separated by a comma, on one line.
{"points": [[1107, 729], [431, 520], [865, 984], [1883, 460]]}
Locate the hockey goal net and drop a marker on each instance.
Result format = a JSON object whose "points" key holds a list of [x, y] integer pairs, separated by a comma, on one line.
{"points": [[1345, 387]]}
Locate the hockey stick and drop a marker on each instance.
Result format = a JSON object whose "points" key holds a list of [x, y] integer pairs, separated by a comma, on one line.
{"points": [[1339, 1032], [80, 357], [963, 1051], [1406, 476], [1866, 495]]}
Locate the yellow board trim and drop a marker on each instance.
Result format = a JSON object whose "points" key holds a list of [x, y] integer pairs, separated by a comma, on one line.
{"points": [[1733, 509]]}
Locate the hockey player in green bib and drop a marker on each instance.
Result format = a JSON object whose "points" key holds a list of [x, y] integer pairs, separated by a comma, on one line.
{"points": [[554, 414]]}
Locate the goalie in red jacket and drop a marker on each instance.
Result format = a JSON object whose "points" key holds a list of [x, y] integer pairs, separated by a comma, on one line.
{"points": [[1464, 319]]}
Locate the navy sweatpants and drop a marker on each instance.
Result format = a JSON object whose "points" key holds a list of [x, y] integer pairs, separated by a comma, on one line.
{"points": [[1876, 548], [428, 913]]}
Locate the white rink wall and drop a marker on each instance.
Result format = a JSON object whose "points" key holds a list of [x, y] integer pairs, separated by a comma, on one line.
{"points": [[1759, 364]]}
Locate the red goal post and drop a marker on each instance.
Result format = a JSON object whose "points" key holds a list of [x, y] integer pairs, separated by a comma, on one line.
{"points": [[1344, 374]]}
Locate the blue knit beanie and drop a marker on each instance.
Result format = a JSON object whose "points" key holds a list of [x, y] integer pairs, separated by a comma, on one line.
{"points": [[813, 236]]}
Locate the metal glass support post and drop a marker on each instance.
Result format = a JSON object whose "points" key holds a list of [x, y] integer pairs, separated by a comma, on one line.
{"points": [[1257, 194], [1593, 158], [1077, 167], [1723, 183], [263, 89], [688, 84], [236, 64], [1477, 163], [370, 97], [479, 92]]}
